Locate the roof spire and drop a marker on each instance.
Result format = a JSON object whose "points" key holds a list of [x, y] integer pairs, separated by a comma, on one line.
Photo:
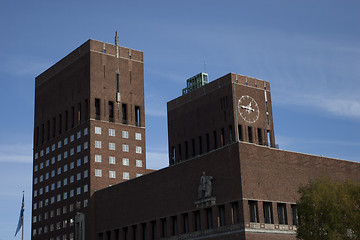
{"points": [[117, 44]]}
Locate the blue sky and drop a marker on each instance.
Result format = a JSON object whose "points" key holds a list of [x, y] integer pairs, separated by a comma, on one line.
{"points": [[308, 50]]}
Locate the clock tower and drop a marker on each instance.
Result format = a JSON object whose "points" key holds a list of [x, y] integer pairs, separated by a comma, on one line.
{"points": [[227, 110]]}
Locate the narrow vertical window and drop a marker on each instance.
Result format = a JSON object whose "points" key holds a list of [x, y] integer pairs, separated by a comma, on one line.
{"points": [[209, 218], [207, 142], [230, 134], [54, 127], [60, 123], [234, 212], [268, 138], [250, 134], [86, 109], [163, 227], [254, 214], [137, 116], [221, 221], [240, 132], [282, 213], [97, 109], [197, 221], [215, 140], [222, 137], [48, 130], [124, 113], [173, 154], [200, 145], [111, 111], [72, 117], [294, 215], [186, 222], [153, 230], [186, 150], [37, 136], [260, 137], [66, 120], [268, 213], [193, 147], [175, 225], [79, 117]]}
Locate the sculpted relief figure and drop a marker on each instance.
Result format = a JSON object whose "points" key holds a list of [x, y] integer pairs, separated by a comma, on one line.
{"points": [[205, 188]]}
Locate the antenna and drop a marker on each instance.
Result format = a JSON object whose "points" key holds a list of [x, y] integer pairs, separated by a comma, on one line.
{"points": [[117, 44], [204, 65]]}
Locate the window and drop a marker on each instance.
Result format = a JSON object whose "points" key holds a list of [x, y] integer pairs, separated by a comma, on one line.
{"points": [[137, 136], [72, 138], [250, 134], [65, 168], [85, 131], [209, 218], [36, 155], [112, 174], [126, 175], [41, 153], [294, 215], [58, 198], [71, 179], [268, 213], [78, 163], [35, 168], [186, 222], [47, 150], [125, 134], [86, 145], [86, 173], [58, 171], [281, 207], [240, 132], [138, 149], [78, 134], [124, 113], [137, 116], [47, 176], [65, 181], [59, 157], [138, 163], [138, 175], [125, 161], [112, 132], [111, 146], [111, 111], [71, 195], [111, 160], [86, 188], [98, 130], [97, 158], [98, 173], [254, 214], [65, 195], [222, 137], [59, 144], [71, 151], [53, 147], [78, 148], [47, 163], [41, 165], [221, 215], [197, 220], [65, 154], [86, 159], [59, 184], [78, 176], [52, 186], [200, 145], [65, 141], [97, 144], [72, 165], [174, 225], [78, 190], [125, 148], [97, 109], [260, 138], [215, 140], [193, 147]]}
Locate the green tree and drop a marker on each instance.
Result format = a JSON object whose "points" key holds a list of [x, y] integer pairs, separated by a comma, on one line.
{"points": [[329, 210]]}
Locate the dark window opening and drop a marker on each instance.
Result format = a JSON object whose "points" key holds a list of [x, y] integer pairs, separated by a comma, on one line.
{"points": [[209, 218], [48, 130], [42, 133], [294, 214], [179, 147], [37, 136], [173, 154], [250, 134], [186, 222], [175, 225], [135, 232], [124, 113], [60, 123], [260, 136], [54, 127], [215, 140], [143, 227], [125, 231], [221, 216], [111, 111], [72, 117], [207, 143], [79, 116], [86, 109], [254, 214], [234, 213], [268, 138], [197, 221], [97, 109], [66, 120], [222, 137], [282, 213], [117, 234], [268, 213], [153, 230], [137, 116], [230, 134], [193, 147], [100, 236], [163, 228], [200, 145], [186, 150], [240, 131], [108, 235]]}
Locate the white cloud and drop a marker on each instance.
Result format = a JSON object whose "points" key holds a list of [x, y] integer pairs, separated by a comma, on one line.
{"points": [[16, 153]]}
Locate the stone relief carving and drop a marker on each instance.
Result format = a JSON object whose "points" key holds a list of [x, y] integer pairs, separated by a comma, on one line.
{"points": [[205, 187]]}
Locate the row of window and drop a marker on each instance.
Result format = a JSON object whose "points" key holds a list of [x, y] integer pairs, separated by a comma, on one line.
{"points": [[62, 143], [112, 174], [179, 224], [268, 212], [124, 134], [125, 147], [61, 196], [112, 160], [56, 125], [59, 170]]}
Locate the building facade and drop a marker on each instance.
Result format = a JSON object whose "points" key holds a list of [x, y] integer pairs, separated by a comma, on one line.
{"points": [[89, 133], [225, 180]]}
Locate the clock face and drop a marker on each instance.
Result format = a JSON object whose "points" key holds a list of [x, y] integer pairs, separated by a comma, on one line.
{"points": [[248, 109]]}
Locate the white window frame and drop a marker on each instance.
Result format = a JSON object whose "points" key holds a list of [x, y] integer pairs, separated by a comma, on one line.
{"points": [[111, 132], [98, 173], [112, 160], [125, 134], [139, 163], [138, 149], [138, 136], [97, 144], [125, 148], [111, 146], [126, 175], [125, 161], [98, 130], [98, 158], [112, 174]]}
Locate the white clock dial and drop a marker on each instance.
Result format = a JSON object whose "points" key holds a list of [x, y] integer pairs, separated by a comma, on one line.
{"points": [[248, 109]]}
